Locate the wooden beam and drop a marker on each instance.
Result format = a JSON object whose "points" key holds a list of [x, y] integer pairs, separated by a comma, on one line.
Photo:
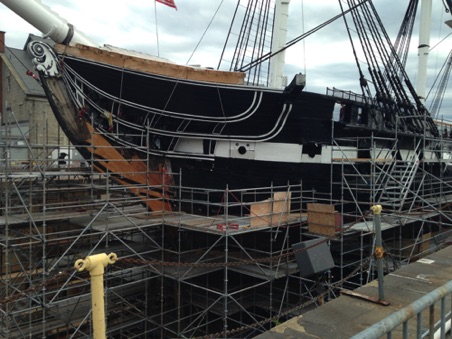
{"points": [[142, 64]]}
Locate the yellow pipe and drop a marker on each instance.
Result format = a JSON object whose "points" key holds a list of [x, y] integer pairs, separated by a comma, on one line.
{"points": [[379, 251], [95, 264]]}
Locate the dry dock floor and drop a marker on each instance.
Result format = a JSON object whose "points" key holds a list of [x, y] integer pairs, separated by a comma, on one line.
{"points": [[347, 316]]}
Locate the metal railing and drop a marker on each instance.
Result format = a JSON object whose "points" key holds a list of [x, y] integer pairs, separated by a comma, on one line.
{"points": [[415, 309]]}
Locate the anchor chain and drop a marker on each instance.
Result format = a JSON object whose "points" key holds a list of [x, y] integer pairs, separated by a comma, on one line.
{"points": [[35, 288]]}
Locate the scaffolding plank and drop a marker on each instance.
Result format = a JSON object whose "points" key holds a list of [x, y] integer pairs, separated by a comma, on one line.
{"points": [[39, 217], [184, 273], [265, 272]]}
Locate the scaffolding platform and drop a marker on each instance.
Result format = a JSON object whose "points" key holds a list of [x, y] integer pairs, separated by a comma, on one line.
{"points": [[267, 273], [208, 267], [224, 223], [392, 221]]}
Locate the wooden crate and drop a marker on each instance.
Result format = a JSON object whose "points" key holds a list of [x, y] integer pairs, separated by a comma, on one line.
{"points": [[409, 247], [15, 265], [271, 212], [323, 219]]}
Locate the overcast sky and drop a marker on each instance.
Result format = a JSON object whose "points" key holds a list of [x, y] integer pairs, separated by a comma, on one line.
{"points": [[325, 57]]}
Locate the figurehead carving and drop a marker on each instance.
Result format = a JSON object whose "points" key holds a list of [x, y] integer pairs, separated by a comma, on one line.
{"points": [[44, 58]]}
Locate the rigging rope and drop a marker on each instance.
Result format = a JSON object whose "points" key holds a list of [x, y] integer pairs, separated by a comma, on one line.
{"points": [[294, 41], [402, 43], [253, 39], [205, 31], [443, 77], [395, 95]]}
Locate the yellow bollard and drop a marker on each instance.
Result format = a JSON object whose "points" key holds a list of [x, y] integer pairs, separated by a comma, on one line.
{"points": [[379, 251], [95, 264], [376, 209]]}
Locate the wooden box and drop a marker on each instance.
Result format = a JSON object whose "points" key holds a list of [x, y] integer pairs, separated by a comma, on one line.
{"points": [[271, 212], [411, 248], [323, 219]]}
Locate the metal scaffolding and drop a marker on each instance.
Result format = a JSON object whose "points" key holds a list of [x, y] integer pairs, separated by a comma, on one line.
{"points": [[230, 272]]}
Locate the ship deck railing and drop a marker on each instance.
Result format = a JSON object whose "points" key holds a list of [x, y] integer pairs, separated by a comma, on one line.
{"points": [[387, 326], [347, 95]]}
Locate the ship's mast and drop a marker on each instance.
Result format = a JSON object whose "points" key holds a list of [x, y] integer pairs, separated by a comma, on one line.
{"points": [[47, 21], [277, 78], [424, 47]]}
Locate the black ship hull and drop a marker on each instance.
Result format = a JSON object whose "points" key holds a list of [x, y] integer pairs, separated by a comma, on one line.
{"points": [[221, 135]]}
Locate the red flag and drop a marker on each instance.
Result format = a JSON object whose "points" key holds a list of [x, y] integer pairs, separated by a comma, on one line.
{"points": [[168, 3]]}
